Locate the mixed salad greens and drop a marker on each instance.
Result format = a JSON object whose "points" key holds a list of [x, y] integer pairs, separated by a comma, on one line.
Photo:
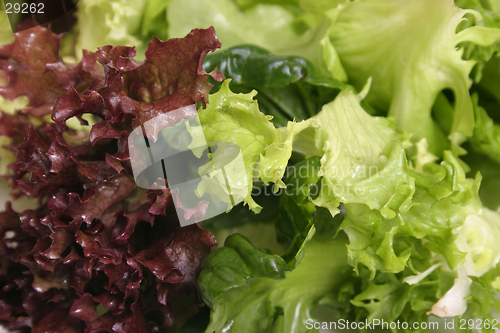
{"points": [[370, 136]]}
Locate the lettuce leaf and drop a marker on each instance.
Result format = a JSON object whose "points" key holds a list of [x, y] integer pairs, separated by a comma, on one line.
{"points": [[490, 171], [410, 51], [98, 254], [254, 66], [363, 159], [490, 18], [43, 78], [117, 22], [101, 23], [268, 26], [295, 224], [236, 118], [476, 237], [404, 225], [250, 290], [486, 137], [482, 303]]}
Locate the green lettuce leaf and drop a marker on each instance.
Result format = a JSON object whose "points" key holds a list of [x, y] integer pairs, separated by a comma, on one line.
{"points": [[258, 228], [236, 118], [410, 51], [268, 26], [388, 297], [249, 290], [481, 54], [419, 262], [488, 88], [442, 201], [316, 46], [477, 237], [486, 138], [115, 22], [154, 20], [490, 171], [295, 225], [363, 159], [482, 302]]}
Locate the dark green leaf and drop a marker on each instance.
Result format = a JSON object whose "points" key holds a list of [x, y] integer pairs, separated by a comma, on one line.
{"points": [[295, 225], [251, 65], [247, 290], [288, 87]]}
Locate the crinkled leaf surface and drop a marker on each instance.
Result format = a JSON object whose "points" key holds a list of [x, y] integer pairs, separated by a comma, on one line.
{"points": [[247, 289], [409, 49], [295, 224], [35, 69], [99, 254], [116, 22], [363, 159], [235, 118]]}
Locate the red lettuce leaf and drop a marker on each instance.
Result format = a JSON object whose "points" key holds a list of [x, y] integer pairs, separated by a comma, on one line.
{"points": [[176, 259], [35, 69], [97, 241], [14, 126], [95, 201], [180, 80], [57, 320]]}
